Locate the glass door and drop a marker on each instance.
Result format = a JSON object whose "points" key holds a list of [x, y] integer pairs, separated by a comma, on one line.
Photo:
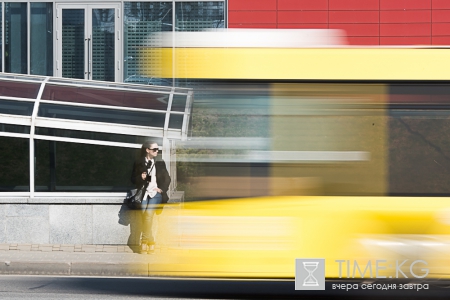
{"points": [[87, 44]]}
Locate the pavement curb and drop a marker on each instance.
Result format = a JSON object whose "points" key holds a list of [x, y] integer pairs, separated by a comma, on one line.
{"points": [[35, 268], [74, 268], [109, 269]]}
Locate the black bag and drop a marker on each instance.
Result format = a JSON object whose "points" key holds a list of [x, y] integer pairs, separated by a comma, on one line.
{"points": [[124, 214], [134, 198]]}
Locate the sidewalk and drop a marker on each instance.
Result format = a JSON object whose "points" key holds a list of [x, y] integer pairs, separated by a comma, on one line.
{"points": [[79, 260]]}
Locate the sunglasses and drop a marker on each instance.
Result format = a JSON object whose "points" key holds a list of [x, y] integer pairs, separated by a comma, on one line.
{"points": [[154, 149]]}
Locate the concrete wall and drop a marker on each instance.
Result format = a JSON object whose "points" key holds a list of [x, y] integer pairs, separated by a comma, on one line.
{"points": [[69, 221]]}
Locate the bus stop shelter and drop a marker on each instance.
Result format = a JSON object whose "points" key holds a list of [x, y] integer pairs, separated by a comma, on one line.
{"points": [[67, 149]]}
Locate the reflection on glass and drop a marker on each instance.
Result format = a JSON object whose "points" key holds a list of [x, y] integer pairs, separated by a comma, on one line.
{"points": [[196, 16], [140, 19], [101, 115], [1, 30], [103, 44], [90, 135], [73, 43], [16, 38], [423, 94], [41, 39], [12, 107], [176, 121], [14, 128], [106, 97], [19, 89], [179, 103], [419, 149], [14, 163], [73, 167]]}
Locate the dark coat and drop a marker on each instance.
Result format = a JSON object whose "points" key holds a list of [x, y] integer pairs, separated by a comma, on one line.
{"points": [[162, 176]]}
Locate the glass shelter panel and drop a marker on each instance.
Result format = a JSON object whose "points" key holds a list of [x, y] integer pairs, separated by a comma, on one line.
{"points": [[101, 115], [41, 39], [14, 158], [19, 89], [14, 128], [22, 108], [73, 167], [91, 135], [176, 121], [16, 46], [1, 30], [179, 103], [106, 97]]}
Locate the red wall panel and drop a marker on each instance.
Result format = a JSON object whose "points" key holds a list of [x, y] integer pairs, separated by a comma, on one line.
{"points": [[358, 29], [366, 22], [404, 4], [440, 4], [302, 4], [440, 29], [354, 16], [440, 40], [442, 15], [252, 4], [354, 4], [249, 17], [253, 25], [405, 16], [303, 26], [363, 40], [418, 29], [402, 40], [302, 17]]}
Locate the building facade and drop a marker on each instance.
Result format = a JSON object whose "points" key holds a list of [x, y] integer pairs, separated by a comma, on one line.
{"points": [[93, 40], [100, 40], [367, 22]]}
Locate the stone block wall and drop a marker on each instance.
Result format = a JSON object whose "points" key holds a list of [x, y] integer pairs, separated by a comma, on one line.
{"points": [[82, 221]]}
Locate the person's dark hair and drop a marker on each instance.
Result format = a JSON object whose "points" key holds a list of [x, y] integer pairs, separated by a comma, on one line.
{"points": [[146, 145]]}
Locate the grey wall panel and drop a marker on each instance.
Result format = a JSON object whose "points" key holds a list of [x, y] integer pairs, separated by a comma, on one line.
{"points": [[70, 224]]}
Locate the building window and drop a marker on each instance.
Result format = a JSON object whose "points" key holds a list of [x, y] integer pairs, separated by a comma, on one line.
{"points": [[16, 46], [144, 20], [196, 16], [28, 52], [41, 39]]}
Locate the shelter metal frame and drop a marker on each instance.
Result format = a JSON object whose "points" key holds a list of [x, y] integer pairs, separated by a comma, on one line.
{"points": [[167, 134]]}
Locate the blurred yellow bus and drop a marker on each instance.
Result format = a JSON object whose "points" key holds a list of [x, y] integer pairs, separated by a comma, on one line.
{"points": [[318, 152]]}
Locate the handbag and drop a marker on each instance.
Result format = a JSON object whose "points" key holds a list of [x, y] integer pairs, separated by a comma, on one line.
{"points": [[134, 198], [124, 214]]}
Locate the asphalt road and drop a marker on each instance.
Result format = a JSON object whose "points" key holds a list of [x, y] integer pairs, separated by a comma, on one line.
{"points": [[49, 287]]}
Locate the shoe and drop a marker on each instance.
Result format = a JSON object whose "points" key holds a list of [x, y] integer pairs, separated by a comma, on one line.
{"points": [[144, 248], [151, 247]]}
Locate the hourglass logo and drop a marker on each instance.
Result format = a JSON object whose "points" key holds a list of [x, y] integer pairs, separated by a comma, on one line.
{"points": [[310, 274]]}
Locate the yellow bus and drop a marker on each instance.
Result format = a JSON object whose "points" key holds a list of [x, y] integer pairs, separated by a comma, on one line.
{"points": [[333, 152]]}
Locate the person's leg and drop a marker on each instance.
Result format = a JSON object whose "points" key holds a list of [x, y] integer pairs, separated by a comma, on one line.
{"points": [[148, 217], [134, 240], [144, 224]]}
